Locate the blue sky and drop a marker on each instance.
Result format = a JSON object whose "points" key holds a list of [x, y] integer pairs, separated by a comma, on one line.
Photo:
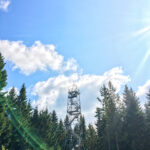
{"points": [[97, 35]]}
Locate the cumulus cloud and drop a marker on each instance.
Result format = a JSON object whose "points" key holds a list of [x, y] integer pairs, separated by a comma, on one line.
{"points": [[142, 91], [37, 57], [4, 4], [52, 94]]}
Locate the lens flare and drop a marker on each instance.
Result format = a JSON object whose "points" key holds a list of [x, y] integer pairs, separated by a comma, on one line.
{"points": [[144, 60], [142, 34], [21, 125], [141, 31]]}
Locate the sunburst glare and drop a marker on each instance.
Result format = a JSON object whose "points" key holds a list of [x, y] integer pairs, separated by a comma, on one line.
{"points": [[142, 31], [142, 64]]}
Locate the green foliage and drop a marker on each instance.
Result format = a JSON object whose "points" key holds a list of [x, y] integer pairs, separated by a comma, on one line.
{"points": [[82, 134], [121, 124], [3, 148], [5, 126], [147, 122], [133, 125], [107, 118], [91, 139], [3, 75], [67, 144]]}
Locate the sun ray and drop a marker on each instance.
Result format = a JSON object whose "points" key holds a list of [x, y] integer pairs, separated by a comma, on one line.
{"points": [[141, 31], [142, 64]]}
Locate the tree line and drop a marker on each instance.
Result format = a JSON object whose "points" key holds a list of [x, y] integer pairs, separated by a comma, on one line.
{"points": [[121, 123]]}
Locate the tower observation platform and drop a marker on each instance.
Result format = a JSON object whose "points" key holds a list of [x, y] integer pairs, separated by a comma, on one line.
{"points": [[74, 111]]}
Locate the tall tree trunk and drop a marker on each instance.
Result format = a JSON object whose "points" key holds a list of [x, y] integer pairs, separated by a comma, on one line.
{"points": [[116, 139], [108, 140]]}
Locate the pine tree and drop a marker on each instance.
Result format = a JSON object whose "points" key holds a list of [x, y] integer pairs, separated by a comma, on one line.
{"points": [[82, 133], [16, 137], [147, 122], [5, 129], [55, 127], [12, 96], [3, 75], [133, 127], [91, 139], [20, 117], [35, 119], [22, 101], [101, 127], [61, 135], [54, 118], [66, 122], [106, 118], [41, 125], [5, 126], [147, 106], [44, 125], [68, 145]]}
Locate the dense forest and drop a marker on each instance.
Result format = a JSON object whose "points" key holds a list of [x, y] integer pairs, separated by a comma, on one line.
{"points": [[121, 123]]}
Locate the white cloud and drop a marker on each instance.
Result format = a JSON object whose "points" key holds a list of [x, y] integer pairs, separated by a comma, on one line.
{"points": [[37, 57], [4, 4], [142, 91], [52, 94]]}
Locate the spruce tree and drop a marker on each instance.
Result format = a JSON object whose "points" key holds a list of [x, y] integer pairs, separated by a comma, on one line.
{"points": [[16, 138], [133, 127], [55, 128], [147, 122], [22, 101], [3, 75], [91, 139], [61, 135], [101, 129], [67, 134], [82, 133], [35, 119], [106, 118], [5, 126]]}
